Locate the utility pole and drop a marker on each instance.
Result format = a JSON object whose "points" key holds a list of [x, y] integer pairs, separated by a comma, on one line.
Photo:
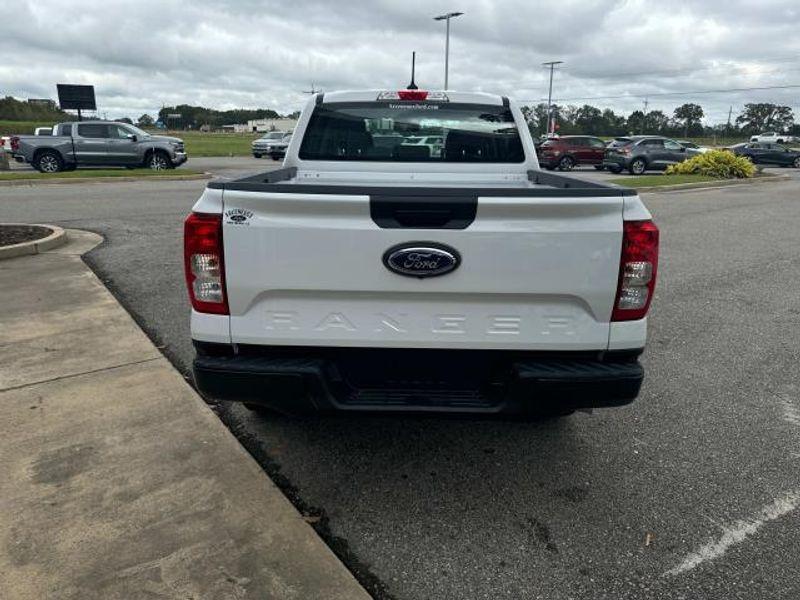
{"points": [[447, 17], [552, 64], [728, 126], [644, 115]]}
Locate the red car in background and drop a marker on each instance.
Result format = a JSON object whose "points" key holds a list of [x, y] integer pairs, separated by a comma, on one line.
{"points": [[569, 151]]}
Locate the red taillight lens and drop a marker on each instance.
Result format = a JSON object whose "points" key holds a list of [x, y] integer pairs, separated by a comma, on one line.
{"points": [[204, 265], [14, 144], [637, 270], [412, 95]]}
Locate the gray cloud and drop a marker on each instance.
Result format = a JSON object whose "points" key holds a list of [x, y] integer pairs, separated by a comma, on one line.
{"points": [[141, 54]]}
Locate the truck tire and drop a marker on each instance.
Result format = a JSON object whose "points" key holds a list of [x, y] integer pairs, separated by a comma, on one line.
{"points": [[567, 163], [48, 161], [638, 166], [159, 160]]}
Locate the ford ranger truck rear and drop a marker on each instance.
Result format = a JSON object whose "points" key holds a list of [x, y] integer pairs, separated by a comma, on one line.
{"points": [[371, 274]]}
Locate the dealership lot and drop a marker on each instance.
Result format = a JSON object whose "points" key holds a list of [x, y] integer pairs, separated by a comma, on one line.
{"points": [[638, 501]]}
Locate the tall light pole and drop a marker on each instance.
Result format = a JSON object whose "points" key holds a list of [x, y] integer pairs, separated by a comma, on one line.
{"points": [[552, 64], [447, 17]]}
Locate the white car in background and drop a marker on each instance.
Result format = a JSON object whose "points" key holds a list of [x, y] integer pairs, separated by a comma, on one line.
{"points": [[434, 143], [693, 149], [773, 137]]}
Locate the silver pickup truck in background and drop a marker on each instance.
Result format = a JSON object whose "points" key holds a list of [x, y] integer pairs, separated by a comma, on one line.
{"points": [[98, 143]]}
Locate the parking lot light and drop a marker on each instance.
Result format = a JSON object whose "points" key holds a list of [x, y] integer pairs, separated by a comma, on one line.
{"points": [[446, 17]]}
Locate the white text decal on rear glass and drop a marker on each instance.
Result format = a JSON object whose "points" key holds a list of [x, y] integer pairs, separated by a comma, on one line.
{"points": [[415, 106]]}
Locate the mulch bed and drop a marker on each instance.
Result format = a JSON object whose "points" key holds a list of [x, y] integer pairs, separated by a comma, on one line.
{"points": [[16, 234]]}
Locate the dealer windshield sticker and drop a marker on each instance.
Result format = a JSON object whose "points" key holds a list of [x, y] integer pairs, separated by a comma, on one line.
{"points": [[238, 216], [415, 106]]}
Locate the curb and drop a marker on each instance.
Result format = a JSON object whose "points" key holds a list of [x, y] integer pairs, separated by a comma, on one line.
{"points": [[57, 238], [102, 434], [711, 184], [65, 181]]}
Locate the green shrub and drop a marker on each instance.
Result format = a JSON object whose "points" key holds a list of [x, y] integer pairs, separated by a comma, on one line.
{"points": [[720, 164]]}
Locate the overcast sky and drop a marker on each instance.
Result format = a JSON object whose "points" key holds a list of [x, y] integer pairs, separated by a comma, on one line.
{"points": [[141, 54]]}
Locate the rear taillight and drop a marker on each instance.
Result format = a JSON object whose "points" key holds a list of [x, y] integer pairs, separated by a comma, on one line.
{"points": [[637, 270], [14, 144], [203, 258]]}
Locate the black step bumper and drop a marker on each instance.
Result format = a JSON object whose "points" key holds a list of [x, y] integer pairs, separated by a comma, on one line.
{"points": [[307, 380]]}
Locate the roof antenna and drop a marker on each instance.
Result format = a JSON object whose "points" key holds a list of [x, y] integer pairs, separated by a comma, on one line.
{"points": [[412, 85]]}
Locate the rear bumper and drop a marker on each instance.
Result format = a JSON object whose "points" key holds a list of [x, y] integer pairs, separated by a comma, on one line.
{"points": [[307, 380], [549, 162], [622, 163]]}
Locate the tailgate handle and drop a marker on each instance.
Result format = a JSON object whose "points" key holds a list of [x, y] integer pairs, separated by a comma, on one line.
{"points": [[418, 212]]}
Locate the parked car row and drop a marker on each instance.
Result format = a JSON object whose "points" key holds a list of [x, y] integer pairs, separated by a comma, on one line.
{"points": [[636, 154], [639, 153]]}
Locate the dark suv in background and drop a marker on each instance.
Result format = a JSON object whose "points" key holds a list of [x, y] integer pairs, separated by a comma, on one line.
{"points": [[569, 151], [643, 153]]}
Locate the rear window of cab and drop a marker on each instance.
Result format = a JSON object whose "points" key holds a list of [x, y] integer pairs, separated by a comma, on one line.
{"points": [[391, 131]]}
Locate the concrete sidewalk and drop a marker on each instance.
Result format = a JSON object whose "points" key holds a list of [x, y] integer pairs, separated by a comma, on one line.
{"points": [[116, 480]]}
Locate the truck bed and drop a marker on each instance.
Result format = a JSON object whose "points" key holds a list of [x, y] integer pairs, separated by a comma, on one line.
{"points": [[536, 184]]}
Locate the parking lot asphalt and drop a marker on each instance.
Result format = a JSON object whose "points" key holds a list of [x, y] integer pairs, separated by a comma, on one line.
{"points": [[691, 492]]}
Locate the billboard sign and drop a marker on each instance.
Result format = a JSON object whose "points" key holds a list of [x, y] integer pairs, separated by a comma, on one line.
{"points": [[76, 97]]}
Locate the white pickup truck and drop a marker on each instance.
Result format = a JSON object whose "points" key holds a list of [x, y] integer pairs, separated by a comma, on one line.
{"points": [[372, 275]]}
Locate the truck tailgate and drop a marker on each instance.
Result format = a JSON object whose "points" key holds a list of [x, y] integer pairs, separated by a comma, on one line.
{"points": [[536, 272]]}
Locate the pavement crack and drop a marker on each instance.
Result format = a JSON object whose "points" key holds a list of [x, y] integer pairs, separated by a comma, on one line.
{"points": [[81, 374]]}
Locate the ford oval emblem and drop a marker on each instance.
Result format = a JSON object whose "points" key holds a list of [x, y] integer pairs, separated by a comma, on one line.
{"points": [[421, 259]]}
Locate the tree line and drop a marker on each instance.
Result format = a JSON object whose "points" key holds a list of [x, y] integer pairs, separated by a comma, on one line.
{"points": [[12, 109], [685, 121], [197, 116]]}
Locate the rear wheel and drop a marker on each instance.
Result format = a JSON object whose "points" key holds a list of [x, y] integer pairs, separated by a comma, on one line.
{"points": [[567, 163], [158, 161], [49, 161], [256, 155], [638, 166], [796, 163]]}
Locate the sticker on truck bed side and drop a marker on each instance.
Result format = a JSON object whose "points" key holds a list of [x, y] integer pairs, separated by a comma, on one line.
{"points": [[238, 216]]}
